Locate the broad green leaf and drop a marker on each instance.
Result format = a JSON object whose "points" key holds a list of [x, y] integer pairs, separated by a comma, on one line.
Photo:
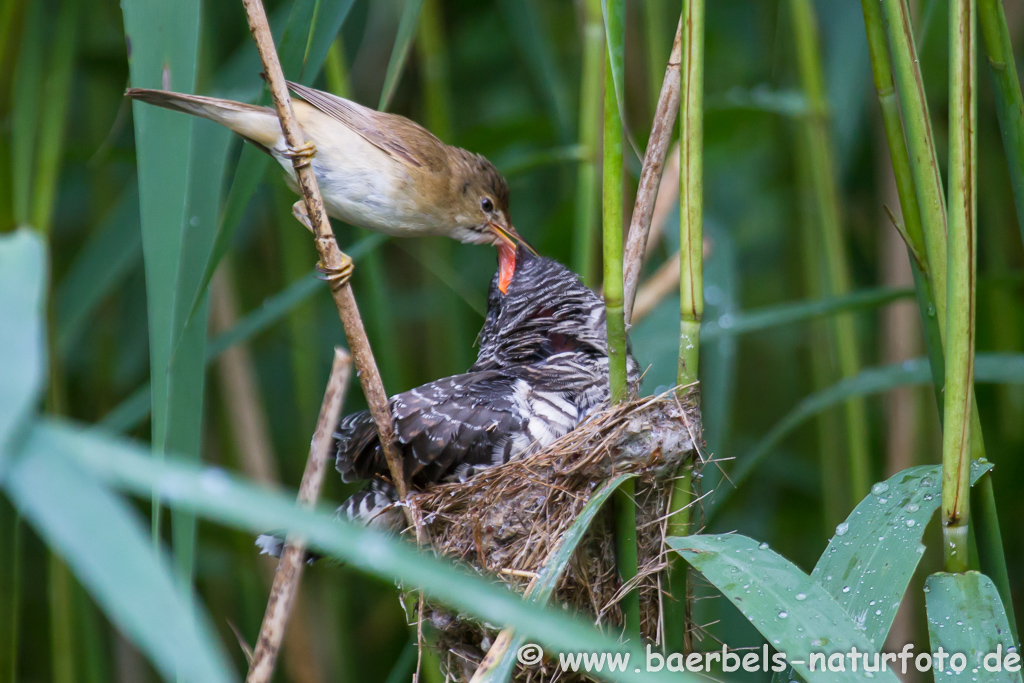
{"points": [[795, 614], [552, 571], [966, 616], [162, 41], [221, 497], [872, 557], [22, 342], [112, 250], [185, 370], [869, 562], [989, 368], [103, 541], [400, 51]]}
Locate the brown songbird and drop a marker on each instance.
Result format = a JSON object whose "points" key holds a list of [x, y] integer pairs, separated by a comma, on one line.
{"points": [[376, 170]]}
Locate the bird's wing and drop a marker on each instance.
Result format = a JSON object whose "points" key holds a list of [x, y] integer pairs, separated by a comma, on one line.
{"points": [[459, 420], [366, 122]]}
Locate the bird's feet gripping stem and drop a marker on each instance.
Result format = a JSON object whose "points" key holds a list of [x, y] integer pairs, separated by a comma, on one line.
{"points": [[302, 155], [301, 215], [335, 266]]}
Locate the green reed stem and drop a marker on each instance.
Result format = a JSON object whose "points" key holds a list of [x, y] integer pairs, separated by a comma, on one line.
{"points": [[62, 621], [931, 201], [956, 434], [56, 96], [911, 229], [924, 165], [625, 505], [822, 169], [1009, 102], [626, 556], [612, 204], [691, 191], [677, 602], [10, 590], [591, 102], [691, 293]]}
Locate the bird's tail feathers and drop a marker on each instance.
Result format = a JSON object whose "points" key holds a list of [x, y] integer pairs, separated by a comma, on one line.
{"points": [[257, 124], [374, 506]]}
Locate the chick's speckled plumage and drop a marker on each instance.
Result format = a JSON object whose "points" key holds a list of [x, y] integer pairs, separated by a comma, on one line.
{"points": [[541, 370]]}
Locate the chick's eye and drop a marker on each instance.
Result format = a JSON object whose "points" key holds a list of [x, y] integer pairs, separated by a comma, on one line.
{"points": [[486, 204]]}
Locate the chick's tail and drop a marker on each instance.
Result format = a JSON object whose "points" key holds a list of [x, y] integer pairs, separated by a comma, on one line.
{"points": [[258, 125]]}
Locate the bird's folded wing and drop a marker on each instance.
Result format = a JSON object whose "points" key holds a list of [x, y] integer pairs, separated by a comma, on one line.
{"points": [[363, 121], [459, 420]]}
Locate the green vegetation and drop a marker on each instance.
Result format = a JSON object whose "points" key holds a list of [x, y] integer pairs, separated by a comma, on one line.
{"points": [[153, 417]]}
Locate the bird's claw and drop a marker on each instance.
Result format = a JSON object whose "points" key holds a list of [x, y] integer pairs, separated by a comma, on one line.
{"points": [[336, 277], [302, 155]]}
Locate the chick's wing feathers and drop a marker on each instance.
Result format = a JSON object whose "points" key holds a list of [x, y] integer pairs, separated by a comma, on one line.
{"points": [[426, 153], [439, 426]]}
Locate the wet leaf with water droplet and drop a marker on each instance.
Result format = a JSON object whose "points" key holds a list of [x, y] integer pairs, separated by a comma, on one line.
{"points": [[787, 607], [881, 540], [972, 599]]}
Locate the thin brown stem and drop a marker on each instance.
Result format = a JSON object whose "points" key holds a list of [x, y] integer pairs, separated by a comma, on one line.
{"points": [[332, 260], [650, 175], [289, 571]]}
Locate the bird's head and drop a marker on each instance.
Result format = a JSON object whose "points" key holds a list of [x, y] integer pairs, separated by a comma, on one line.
{"points": [[482, 213]]}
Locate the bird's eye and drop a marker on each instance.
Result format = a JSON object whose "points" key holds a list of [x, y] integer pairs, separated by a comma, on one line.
{"points": [[486, 204]]}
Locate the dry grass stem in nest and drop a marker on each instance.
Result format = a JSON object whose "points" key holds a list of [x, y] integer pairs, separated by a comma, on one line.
{"points": [[507, 520]]}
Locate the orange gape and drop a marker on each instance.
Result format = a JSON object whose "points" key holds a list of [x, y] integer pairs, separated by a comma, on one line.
{"points": [[506, 265]]}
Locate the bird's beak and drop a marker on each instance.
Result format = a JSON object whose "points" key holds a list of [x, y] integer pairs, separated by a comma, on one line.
{"points": [[508, 240], [508, 235]]}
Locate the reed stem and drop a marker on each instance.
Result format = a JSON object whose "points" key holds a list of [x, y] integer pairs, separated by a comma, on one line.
{"points": [[626, 556], [691, 191], [625, 505], [612, 209], [928, 188], [62, 621], [331, 257], [837, 275], [10, 590], [924, 165], [677, 601], [911, 229], [293, 558], [1009, 103], [690, 47], [647, 192], [960, 297]]}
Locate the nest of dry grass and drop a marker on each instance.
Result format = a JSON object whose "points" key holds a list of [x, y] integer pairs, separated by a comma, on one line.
{"points": [[506, 521]]}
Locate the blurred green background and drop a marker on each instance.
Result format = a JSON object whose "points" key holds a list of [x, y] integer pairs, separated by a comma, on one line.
{"points": [[502, 79]]}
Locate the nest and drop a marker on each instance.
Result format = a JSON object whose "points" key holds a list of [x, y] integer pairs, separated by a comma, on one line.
{"points": [[506, 521]]}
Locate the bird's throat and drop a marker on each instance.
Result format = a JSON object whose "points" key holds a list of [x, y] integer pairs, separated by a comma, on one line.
{"points": [[506, 265]]}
